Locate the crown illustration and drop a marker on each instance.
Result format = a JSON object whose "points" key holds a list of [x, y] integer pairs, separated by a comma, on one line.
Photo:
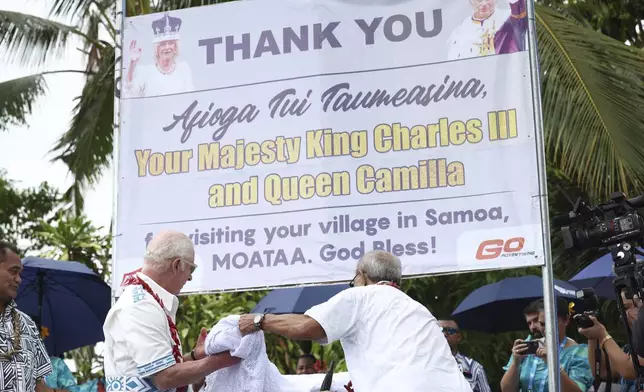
{"points": [[167, 28]]}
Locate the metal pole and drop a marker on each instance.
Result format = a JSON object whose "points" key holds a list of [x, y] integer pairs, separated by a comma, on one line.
{"points": [[41, 294], [552, 334], [121, 8]]}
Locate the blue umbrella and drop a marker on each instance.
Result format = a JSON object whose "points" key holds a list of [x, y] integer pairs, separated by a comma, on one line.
{"points": [[297, 299], [598, 275], [66, 297], [498, 307]]}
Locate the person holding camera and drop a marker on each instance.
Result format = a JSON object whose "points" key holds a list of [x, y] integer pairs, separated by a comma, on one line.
{"points": [[527, 369], [620, 361]]}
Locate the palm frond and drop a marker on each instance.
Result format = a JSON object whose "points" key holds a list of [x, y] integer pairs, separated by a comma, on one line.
{"points": [[92, 25], [69, 7], [17, 97], [74, 198], [137, 7], [168, 5], [102, 13], [31, 39], [86, 148], [592, 99]]}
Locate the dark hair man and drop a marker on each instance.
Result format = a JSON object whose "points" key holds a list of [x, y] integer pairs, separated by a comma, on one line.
{"points": [[472, 370], [529, 372], [24, 361]]}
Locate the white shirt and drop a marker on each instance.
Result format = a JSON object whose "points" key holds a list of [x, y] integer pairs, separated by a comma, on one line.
{"points": [[138, 343], [148, 81], [476, 38], [390, 341]]}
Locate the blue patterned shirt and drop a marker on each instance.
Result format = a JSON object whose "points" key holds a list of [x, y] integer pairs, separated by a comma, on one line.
{"points": [[574, 360], [62, 378]]}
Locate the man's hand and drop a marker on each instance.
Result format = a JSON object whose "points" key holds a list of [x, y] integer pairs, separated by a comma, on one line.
{"points": [[247, 324], [542, 352], [200, 349], [518, 350], [597, 331]]}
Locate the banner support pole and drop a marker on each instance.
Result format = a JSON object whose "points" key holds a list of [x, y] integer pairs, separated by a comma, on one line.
{"points": [[121, 10], [549, 299]]}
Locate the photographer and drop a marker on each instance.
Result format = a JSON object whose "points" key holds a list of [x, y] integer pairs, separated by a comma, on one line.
{"points": [[620, 361], [529, 372]]}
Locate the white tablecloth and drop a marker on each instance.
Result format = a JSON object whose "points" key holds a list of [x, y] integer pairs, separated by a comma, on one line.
{"points": [[255, 373]]}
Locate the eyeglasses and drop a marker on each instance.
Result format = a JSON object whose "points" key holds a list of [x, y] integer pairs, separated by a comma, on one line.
{"points": [[449, 330], [353, 281], [192, 265]]}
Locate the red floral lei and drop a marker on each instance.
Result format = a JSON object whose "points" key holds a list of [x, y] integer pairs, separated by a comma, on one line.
{"points": [[387, 283], [134, 280]]}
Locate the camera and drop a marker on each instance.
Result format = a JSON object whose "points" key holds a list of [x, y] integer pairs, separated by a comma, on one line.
{"points": [[615, 225], [533, 346], [606, 224], [590, 304]]}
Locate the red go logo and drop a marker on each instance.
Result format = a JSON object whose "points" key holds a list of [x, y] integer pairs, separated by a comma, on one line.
{"points": [[491, 249]]}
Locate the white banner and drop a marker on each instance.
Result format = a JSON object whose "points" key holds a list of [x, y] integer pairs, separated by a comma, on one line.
{"points": [[288, 137]]}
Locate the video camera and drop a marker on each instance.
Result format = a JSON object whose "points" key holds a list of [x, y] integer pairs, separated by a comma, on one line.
{"points": [[604, 225], [614, 224], [617, 226]]}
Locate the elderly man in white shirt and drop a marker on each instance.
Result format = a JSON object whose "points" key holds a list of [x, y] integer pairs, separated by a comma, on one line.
{"points": [[142, 346], [390, 341]]}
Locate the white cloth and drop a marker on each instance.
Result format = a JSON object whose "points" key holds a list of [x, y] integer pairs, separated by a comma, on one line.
{"points": [[148, 81], [138, 343], [390, 341], [470, 36], [255, 373]]}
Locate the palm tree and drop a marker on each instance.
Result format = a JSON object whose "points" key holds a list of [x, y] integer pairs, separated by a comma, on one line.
{"points": [[591, 87], [86, 148], [592, 107]]}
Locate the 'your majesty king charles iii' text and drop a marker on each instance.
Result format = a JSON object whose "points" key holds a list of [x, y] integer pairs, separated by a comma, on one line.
{"points": [[325, 143]]}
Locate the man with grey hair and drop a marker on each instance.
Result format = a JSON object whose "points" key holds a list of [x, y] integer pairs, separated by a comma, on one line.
{"points": [[142, 346], [390, 341]]}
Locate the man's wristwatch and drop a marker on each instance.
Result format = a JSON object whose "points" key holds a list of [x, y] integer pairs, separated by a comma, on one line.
{"points": [[258, 320]]}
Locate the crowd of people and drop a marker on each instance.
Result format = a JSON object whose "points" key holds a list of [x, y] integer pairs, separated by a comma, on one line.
{"points": [[390, 341]]}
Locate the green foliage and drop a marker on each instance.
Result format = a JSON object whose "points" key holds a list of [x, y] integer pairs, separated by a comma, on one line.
{"points": [[24, 212], [87, 146], [592, 100], [74, 238], [32, 39], [36, 219], [619, 19], [197, 311], [589, 96], [17, 97]]}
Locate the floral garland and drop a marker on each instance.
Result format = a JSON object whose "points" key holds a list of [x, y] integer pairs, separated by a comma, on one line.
{"points": [[134, 280], [15, 341], [388, 283]]}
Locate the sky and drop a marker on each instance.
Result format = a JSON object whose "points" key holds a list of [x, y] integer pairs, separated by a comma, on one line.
{"points": [[26, 150]]}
